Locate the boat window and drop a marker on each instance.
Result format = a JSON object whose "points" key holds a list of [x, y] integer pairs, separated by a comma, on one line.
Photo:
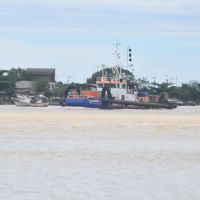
{"points": [[124, 86], [100, 85], [93, 89], [117, 85], [83, 96], [113, 85]]}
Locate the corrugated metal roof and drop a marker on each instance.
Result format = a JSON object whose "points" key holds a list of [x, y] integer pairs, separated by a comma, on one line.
{"points": [[40, 70]]}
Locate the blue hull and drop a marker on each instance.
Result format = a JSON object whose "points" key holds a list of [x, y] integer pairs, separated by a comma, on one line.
{"points": [[85, 102]]}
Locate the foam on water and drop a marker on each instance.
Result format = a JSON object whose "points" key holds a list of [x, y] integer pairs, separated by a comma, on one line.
{"points": [[72, 153]]}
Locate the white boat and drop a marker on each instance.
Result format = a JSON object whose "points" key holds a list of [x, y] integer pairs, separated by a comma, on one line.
{"points": [[26, 100], [22, 100]]}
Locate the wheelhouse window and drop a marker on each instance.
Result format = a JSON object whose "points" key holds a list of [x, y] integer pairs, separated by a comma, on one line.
{"points": [[100, 85], [113, 85], [124, 86]]}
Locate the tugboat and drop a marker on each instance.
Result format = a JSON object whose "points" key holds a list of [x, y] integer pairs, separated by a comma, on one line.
{"points": [[113, 92]]}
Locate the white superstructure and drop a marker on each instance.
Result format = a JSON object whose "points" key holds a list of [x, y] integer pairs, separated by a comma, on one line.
{"points": [[118, 82]]}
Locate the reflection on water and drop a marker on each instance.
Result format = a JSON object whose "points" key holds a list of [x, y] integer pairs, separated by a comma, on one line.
{"points": [[72, 153]]}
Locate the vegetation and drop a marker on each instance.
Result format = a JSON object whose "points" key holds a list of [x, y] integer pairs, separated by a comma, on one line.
{"points": [[8, 78], [59, 90], [41, 86], [186, 92]]}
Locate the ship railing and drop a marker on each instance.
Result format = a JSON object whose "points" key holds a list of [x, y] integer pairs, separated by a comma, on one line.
{"points": [[111, 79], [108, 78], [102, 79], [130, 91], [77, 96]]}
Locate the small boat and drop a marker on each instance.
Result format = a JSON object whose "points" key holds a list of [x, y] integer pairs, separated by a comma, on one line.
{"points": [[32, 101]]}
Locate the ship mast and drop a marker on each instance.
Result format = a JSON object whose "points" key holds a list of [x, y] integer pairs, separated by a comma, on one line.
{"points": [[117, 69]]}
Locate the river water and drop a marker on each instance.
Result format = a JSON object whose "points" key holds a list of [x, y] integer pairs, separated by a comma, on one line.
{"points": [[59, 153]]}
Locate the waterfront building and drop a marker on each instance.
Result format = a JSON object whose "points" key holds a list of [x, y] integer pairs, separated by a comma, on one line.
{"points": [[47, 74]]}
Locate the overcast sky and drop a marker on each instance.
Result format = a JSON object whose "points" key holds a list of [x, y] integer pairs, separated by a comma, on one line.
{"points": [[74, 36]]}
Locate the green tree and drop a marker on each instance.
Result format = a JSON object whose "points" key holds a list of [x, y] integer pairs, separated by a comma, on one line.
{"points": [[59, 90], [5, 85], [186, 92], [17, 74], [41, 86], [143, 84], [157, 88]]}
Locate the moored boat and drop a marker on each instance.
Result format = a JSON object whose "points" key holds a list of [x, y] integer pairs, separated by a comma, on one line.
{"points": [[32, 101]]}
